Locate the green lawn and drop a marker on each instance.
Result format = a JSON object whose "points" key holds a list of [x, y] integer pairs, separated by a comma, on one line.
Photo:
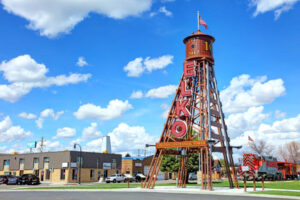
{"points": [[273, 192]]}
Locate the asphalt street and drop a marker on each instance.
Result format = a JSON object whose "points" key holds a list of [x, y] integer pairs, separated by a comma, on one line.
{"points": [[92, 195]]}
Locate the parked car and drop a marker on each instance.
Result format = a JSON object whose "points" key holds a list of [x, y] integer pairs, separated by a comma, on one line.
{"points": [[192, 176], [140, 177], [3, 179], [128, 177], [13, 180], [29, 179], [115, 178]]}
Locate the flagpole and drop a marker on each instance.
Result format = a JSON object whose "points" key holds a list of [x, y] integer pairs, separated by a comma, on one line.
{"points": [[198, 19]]}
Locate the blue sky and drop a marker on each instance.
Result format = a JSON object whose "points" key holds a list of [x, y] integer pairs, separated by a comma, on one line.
{"points": [[137, 47]]}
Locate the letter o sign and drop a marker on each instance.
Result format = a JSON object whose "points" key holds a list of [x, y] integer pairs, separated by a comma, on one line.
{"points": [[179, 129]]}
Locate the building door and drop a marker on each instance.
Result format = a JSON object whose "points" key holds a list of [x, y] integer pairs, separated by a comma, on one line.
{"points": [[99, 175], [42, 175], [36, 172], [21, 172], [105, 174], [74, 174]]}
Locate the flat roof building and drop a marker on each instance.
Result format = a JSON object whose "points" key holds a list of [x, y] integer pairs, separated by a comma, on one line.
{"points": [[61, 166]]}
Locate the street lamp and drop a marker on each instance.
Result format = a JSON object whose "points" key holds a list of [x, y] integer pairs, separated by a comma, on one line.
{"points": [[80, 161]]}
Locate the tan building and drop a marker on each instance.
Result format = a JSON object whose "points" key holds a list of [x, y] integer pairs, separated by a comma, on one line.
{"points": [[134, 165], [61, 166]]}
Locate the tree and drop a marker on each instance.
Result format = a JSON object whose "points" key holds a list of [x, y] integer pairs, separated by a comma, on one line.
{"points": [[127, 155], [261, 147], [170, 163], [290, 151]]}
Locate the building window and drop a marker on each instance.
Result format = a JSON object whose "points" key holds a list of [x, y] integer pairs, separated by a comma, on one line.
{"points": [[62, 174], [92, 174], [47, 174], [114, 164], [6, 162], [46, 160], [35, 160], [21, 161], [74, 174]]}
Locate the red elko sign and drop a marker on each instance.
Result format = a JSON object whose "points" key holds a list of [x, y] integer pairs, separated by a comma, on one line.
{"points": [[179, 128]]}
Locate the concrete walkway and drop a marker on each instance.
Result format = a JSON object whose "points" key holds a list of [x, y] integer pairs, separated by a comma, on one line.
{"points": [[221, 191]]}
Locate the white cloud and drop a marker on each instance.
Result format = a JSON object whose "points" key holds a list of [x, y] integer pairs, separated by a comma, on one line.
{"points": [[52, 17], [91, 131], [23, 74], [125, 138], [10, 133], [244, 92], [136, 94], [279, 114], [45, 114], [115, 109], [250, 120], [166, 108], [280, 132], [27, 115], [81, 62], [134, 68], [94, 145], [163, 10], [138, 66], [161, 92], [278, 6], [65, 132]]}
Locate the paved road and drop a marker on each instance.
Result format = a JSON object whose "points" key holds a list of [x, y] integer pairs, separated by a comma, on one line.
{"points": [[115, 196]]}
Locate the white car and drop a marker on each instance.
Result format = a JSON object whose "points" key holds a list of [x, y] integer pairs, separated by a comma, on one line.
{"points": [[115, 178]]}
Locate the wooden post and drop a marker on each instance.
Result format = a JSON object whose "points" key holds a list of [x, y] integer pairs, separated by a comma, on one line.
{"points": [[141, 184], [263, 183], [245, 184], [128, 183], [254, 186]]}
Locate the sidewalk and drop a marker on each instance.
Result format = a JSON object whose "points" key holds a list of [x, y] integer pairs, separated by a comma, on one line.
{"points": [[173, 189]]}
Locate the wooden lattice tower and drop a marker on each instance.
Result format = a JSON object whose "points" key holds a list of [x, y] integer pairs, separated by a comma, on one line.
{"points": [[195, 123]]}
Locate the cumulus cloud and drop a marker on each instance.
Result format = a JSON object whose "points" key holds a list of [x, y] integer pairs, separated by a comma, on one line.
{"points": [[244, 92], [115, 109], [47, 113], [166, 109], [279, 114], [23, 74], [125, 138], [163, 10], [136, 94], [161, 92], [238, 123], [279, 132], [52, 17], [138, 66], [27, 115], [65, 132], [81, 62], [278, 6], [91, 131], [10, 133]]}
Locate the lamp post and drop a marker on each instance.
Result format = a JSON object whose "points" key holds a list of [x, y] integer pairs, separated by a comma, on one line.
{"points": [[80, 161]]}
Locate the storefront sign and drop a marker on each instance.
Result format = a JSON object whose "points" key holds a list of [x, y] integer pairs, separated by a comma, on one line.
{"points": [[73, 164], [64, 165], [182, 144], [106, 165]]}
